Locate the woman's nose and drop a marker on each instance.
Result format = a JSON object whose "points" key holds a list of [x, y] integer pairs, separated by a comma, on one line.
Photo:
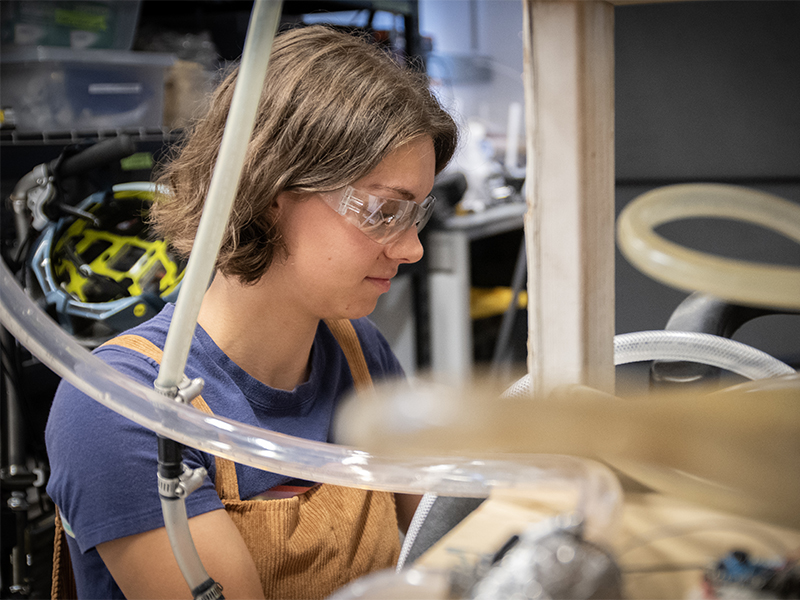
{"points": [[407, 248]]}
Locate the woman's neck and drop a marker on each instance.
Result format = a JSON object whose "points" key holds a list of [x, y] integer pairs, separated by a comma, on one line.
{"points": [[259, 331]]}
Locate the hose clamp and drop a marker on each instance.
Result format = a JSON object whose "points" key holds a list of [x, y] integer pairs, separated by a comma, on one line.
{"points": [[181, 487]]}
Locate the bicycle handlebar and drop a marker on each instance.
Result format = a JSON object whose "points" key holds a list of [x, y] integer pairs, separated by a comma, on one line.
{"points": [[101, 153]]}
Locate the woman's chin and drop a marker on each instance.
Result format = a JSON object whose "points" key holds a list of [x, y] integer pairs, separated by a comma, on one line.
{"points": [[359, 310]]}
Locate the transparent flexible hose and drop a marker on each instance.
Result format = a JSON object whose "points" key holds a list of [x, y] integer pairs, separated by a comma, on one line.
{"points": [[688, 346], [697, 347], [737, 281], [595, 486]]}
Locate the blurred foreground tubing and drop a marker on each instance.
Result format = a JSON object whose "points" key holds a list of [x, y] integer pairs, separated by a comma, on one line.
{"points": [[737, 450]]}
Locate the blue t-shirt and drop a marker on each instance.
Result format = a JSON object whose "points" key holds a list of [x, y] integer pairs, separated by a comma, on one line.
{"points": [[104, 466]]}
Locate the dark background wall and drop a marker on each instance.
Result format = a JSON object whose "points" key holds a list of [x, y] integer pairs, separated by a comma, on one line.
{"points": [[708, 91]]}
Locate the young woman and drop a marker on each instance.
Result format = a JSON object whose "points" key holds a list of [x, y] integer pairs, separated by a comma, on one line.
{"points": [[333, 193]]}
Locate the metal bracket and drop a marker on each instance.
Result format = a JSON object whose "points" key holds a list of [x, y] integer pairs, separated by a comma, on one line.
{"points": [[549, 559], [189, 481], [187, 390], [36, 200]]}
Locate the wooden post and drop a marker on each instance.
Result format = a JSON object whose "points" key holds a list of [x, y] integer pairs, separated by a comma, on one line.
{"points": [[569, 110]]}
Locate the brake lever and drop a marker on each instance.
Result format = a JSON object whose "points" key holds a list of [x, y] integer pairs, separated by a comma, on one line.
{"points": [[77, 212], [36, 190]]}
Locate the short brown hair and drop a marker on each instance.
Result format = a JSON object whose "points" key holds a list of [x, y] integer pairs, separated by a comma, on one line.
{"points": [[333, 106]]}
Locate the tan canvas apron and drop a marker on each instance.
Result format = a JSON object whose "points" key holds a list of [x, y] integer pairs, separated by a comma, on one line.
{"points": [[306, 546]]}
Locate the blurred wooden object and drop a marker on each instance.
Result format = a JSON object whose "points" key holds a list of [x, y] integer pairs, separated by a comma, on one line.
{"points": [[569, 113], [737, 450]]}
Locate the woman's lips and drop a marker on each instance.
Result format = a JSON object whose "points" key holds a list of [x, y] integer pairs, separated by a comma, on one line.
{"points": [[383, 283]]}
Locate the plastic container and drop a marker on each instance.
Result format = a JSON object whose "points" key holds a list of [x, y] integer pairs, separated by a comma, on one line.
{"points": [[109, 24], [61, 89]]}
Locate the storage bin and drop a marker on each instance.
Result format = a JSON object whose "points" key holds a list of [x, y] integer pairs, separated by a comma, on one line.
{"points": [[109, 24], [61, 89]]}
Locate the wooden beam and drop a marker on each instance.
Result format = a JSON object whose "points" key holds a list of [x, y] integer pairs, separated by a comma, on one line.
{"points": [[569, 110]]}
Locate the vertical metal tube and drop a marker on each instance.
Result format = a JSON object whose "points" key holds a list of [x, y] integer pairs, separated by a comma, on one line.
{"points": [[507, 324], [15, 441]]}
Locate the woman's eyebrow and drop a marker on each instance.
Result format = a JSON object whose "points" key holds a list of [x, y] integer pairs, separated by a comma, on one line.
{"points": [[398, 191]]}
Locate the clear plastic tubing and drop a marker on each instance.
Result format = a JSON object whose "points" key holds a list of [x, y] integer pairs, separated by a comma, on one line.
{"points": [[598, 489], [595, 486], [696, 347], [688, 346], [738, 281]]}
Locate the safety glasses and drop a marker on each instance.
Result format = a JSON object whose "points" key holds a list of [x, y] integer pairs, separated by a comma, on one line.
{"points": [[383, 220]]}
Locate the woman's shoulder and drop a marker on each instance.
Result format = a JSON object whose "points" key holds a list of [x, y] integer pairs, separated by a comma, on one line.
{"points": [[154, 330], [137, 351], [73, 403]]}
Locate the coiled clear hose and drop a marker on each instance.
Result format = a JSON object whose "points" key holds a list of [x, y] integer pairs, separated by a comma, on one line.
{"points": [[690, 346], [599, 494], [597, 488], [737, 281], [697, 347]]}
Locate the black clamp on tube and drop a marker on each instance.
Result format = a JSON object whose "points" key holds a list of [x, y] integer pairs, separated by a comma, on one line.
{"points": [[175, 482]]}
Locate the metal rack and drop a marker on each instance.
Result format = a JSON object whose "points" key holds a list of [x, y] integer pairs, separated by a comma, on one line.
{"points": [[61, 138]]}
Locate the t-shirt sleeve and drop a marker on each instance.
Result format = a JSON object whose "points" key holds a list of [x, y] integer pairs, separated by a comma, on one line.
{"points": [[104, 466]]}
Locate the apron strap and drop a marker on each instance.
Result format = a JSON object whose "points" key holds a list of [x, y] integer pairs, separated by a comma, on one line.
{"points": [[226, 481], [63, 586], [345, 334]]}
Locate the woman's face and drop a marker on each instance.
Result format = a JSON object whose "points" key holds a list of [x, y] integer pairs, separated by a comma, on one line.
{"points": [[333, 270]]}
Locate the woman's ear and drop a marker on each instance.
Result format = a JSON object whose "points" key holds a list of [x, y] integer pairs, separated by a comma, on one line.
{"points": [[280, 204], [294, 196], [283, 204], [283, 199]]}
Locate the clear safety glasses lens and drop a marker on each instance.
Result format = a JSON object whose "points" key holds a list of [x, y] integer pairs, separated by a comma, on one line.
{"points": [[382, 219]]}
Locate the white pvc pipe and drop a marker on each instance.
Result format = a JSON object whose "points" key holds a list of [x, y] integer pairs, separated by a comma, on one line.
{"points": [[222, 190]]}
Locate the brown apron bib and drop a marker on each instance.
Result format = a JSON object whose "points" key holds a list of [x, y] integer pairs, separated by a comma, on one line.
{"points": [[306, 546]]}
